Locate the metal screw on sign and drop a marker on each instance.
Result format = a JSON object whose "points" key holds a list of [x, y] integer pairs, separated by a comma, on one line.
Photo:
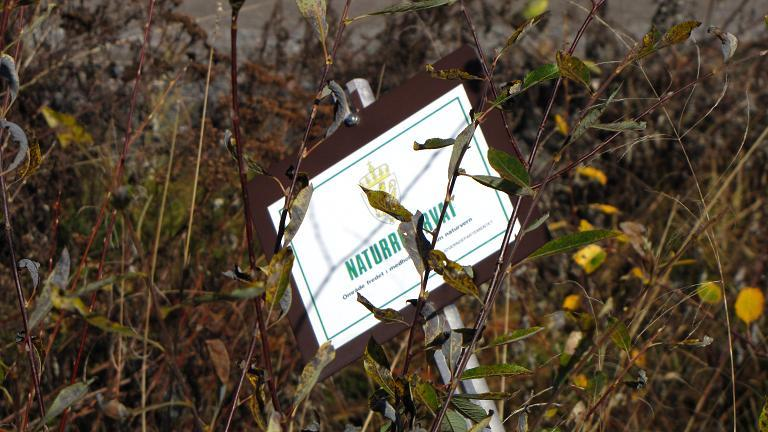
{"points": [[361, 95]]}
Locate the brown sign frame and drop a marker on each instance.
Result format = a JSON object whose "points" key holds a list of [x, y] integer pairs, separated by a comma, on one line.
{"points": [[391, 109]]}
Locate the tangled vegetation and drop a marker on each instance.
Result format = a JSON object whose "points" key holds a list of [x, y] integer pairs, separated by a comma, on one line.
{"points": [[139, 298]]}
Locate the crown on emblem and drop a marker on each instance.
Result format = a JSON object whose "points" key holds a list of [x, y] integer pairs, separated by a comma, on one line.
{"points": [[375, 175]]}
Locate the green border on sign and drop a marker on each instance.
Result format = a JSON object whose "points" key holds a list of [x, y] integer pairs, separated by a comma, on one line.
{"points": [[485, 164]]}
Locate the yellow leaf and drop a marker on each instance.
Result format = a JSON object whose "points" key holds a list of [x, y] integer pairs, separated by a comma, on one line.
{"points": [[590, 257], [553, 226], [580, 380], [640, 274], [68, 130], [561, 125], [605, 208], [749, 304], [34, 161], [572, 302], [640, 360], [593, 173], [709, 292], [584, 225], [535, 7], [548, 414]]}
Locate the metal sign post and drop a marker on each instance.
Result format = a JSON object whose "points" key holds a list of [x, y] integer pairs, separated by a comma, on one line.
{"points": [[361, 95]]}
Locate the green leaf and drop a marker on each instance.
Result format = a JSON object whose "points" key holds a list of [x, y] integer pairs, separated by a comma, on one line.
{"points": [[387, 315], [314, 11], [620, 126], [104, 324], [537, 223], [414, 241], [433, 143], [620, 335], [485, 396], [298, 210], [502, 185], [762, 422], [494, 370], [278, 278], [482, 424], [509, 167], [573, 68], [571, 241], [381, 200], [377, 367], [428, 395], [460, 146], [43, 306], [469, 409], [453, 422], [514, 336], [679, 33], [647, 45], [535, 7], [311, 373], [591, 118], [540, 74], [409, 6], [453, 273], [67, 397], [451, 74]]}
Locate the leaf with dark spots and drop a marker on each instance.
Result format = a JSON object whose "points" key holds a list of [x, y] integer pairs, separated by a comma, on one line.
{"points": [[298, 210], [679, 33], [377, 367], [460, 146], [433, 143], [414, 241], [311, 373], [384, 201], [454, 274], [573, 68], [451, 74], [341, 107], [278, 277], [386, 315]]}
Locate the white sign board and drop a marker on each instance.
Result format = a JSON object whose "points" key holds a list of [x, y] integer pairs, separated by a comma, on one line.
{"points": [[344, 246]]}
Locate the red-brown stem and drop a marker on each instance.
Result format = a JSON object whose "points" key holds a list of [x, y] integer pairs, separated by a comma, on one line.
{"points": [[117, 177], [505, 259], [310, 122], [91, 304], [9, 226], [489, 78], [258, 302], [281, 227]]}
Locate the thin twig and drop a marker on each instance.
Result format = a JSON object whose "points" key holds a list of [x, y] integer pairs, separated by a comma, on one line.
{"points": [[503, 258], [9, 227], [281, 228]]}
